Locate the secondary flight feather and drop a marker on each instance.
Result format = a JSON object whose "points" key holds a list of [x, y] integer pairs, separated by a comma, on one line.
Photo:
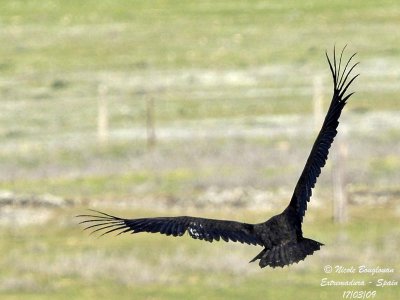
{"points": [[281, 235]]}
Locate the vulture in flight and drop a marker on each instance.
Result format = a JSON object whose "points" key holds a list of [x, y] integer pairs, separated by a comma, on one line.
{"points": [[281, 236]]}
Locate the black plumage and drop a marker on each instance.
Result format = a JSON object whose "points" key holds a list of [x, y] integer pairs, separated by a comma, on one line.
{"points": [[281, 236]]}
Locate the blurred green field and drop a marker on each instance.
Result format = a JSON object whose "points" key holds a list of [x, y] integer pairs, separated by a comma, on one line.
{"points": [[61, 262], [232, 83]]}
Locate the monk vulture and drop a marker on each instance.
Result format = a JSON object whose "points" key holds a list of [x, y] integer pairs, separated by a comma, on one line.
{"points": [[281, 236]]}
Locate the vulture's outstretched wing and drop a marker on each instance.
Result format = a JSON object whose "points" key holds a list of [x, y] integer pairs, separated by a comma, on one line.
{"points": [[198, 228], [342, 79]]}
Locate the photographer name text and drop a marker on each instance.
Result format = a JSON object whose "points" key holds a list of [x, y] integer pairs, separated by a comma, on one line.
{"points": [[362, 270]]}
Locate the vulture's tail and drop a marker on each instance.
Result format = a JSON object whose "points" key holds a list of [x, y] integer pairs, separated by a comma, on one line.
{"points": [[287, 254]]}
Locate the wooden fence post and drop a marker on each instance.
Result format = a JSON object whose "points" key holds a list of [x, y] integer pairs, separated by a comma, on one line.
{"points": [[318, 96], [338, 178], [150, 127], [102, 115]]}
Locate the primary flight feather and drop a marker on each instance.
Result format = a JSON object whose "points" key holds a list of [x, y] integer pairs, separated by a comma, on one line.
{"points": [[281, 236]]}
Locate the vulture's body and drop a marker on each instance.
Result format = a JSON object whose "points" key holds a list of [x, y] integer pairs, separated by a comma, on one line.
{"points": [[281, 236]]}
